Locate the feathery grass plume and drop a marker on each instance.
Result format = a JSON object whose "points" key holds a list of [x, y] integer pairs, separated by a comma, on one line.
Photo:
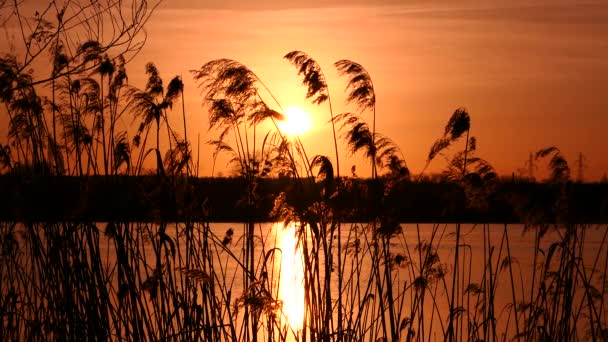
{"points": [[325, 173], [389, 156], [359, 86], [472, 144], [231, 93], [236, 108], [380, 149], [458, 124], [221, 146], [438, 146], [360, 90], [6, 163], [106, 66], [10, 77], [90, 91], [558, 165], [177, 158], [174, 90], [76, 134], [312, 74], [222, 113], [27, 125], [261, 112], [90, 51], [397, 167], [226, 78], [154, 84], [122, 152], [59, 58], [273, 155], [357, 134], [113, 77], [478, 168], [151, 105], [118, 78]]}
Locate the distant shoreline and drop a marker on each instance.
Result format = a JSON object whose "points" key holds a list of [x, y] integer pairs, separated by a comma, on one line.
{"points": [[153, 199]]}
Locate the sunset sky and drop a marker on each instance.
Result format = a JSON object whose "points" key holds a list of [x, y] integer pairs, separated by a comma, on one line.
{"points": [[531, 73]]}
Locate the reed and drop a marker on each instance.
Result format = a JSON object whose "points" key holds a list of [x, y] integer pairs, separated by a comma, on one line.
{"points": [[380, 280]]}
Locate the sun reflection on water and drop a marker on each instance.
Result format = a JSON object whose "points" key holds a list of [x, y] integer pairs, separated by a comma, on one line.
{"points": [[291, 284]]}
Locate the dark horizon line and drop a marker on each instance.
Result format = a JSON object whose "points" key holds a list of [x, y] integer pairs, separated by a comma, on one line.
{"points": [[154, 199]]}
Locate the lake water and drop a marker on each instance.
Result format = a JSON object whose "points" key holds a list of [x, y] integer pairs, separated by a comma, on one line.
{"points": [[420, 296], [474, 260]]}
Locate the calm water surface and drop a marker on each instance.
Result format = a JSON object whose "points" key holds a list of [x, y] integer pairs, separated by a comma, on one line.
{"points": [[285, 265]]}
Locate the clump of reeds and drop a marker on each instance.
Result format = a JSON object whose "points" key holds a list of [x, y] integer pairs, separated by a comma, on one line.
{"points": [[373, 280]]}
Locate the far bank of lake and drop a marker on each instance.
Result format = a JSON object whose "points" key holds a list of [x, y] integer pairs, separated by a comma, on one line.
{"points": [[152, 198]]}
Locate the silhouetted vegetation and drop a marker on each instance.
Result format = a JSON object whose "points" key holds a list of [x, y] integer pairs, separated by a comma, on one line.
{"points": [[94, 247], [137, 198]]}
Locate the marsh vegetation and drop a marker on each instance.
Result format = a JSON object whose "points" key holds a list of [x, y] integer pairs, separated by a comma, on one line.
{"points": [[379, 280]]}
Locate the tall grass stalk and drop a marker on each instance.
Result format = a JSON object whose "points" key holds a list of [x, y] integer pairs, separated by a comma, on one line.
{"points": [[380, 280]]}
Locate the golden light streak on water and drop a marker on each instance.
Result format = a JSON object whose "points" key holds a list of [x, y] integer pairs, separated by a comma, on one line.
{"points": [[291, 284]]}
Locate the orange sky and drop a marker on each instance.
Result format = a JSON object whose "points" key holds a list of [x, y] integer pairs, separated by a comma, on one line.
{"points": [[531, 74]]}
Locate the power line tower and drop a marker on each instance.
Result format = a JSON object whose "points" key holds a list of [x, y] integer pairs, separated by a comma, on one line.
{"points": [[581, 164]]}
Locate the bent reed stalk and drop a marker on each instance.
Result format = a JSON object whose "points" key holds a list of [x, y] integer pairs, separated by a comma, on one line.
{"points": [[373, 281]]}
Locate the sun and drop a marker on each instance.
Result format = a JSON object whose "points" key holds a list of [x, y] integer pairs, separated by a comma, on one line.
{"points": [[296, 121]]}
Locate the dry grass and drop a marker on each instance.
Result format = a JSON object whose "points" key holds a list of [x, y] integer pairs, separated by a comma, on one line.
{"points": [[371, 281]]}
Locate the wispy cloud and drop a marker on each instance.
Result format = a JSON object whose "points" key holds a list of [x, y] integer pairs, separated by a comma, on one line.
{"points": [[282, 4]]}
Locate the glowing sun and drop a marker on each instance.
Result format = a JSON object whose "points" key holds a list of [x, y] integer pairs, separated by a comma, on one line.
{"points": [[296, 122]]}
